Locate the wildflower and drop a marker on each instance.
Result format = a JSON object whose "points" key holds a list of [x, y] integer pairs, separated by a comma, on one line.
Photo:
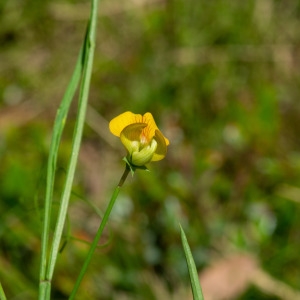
{"points": [[141, 137]]}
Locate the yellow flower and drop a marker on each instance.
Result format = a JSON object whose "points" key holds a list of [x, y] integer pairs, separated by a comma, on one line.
{"points": [[140, 136]]}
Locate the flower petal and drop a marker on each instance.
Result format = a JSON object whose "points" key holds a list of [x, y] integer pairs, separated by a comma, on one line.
{"points": [[161, 149], [141, 137], [150, 130], [117, 124], [130, 136], [167, 141]]}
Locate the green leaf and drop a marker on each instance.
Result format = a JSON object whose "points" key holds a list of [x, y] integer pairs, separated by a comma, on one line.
{"points": [[82, 74], [195, 283], [2, 294], [58, 128]]}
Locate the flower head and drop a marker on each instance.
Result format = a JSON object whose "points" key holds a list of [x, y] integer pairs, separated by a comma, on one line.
{"points": [[140, 136]]}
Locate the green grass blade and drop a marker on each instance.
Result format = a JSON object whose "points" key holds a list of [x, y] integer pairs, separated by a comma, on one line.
{"points": [[194, 278], [88, 55], [2, 294], [59, 123]]}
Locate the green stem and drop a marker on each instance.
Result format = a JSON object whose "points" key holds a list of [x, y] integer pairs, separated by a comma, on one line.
{"points": [[2, 294], [99, 232]]}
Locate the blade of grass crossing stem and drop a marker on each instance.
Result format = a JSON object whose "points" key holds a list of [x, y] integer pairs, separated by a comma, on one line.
{"points": [[83, 99], [59, 124], [194, 278], [2, 294]]}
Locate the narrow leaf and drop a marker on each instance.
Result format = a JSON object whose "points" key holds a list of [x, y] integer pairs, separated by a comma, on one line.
{"points": [[194, 279], [2, 294], [59, 124]]}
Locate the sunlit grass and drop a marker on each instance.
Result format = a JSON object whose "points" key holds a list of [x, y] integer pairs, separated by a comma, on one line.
{"points": [[83, 71]]}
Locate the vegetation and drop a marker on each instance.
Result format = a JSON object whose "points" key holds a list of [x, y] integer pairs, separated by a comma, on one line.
{"points": [[222, 82]]}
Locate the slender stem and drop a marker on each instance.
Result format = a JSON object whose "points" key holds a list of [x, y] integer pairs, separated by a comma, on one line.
{"points": [[124, 176], [99, 232]]}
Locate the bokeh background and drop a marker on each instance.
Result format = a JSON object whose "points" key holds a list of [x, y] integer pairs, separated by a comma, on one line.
{"points": [[222, 79]]}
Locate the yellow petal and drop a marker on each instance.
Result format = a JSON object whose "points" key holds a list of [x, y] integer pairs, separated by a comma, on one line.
{"points": [[161, 149], [130, 136], [117, 124], [167, 141], [152, 127], [149, 131]]}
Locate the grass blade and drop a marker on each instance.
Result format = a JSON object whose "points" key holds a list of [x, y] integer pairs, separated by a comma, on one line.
{"points": [[2, 294], [88, 54], [59, 123], [194, 278]]}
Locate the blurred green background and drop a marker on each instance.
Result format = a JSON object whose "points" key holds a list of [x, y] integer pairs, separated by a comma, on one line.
{"points": [[222, 80]]}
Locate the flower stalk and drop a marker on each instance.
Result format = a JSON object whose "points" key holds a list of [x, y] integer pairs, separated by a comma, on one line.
{"points": [[144, 143], [99, 232]]}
